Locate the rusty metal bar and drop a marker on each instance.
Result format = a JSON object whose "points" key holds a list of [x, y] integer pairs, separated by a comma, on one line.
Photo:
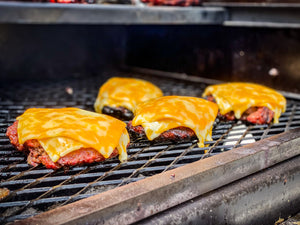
{"points": [[291, 118], [135, 201]]}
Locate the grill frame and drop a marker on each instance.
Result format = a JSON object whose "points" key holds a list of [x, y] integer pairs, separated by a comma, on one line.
{"points": [[85, 100], [139, 200]]}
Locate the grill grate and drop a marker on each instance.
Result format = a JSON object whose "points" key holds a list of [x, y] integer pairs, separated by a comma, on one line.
{"points": [[35, 190]]}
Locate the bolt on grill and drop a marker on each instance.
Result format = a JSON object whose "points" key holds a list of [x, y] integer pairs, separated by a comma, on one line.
{"points": [[34, 190]]}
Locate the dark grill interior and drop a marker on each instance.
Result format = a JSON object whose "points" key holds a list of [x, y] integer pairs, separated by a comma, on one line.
{"points": [[35, 190]]}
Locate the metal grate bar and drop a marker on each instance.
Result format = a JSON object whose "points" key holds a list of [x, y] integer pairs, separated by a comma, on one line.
{"points": [[209, 151], [265, 132], [171, 165], [97, 180], [12, 165], [100, 178], [20, 174], [150, 161], [89, 184], [45, 194], [290, 118]]}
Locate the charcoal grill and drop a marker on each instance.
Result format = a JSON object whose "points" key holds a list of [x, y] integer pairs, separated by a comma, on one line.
{"points": [[58, 56], [34, 190]]}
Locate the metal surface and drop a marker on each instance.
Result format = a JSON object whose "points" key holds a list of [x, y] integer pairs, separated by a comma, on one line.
{"points": [[263, 15], [260, 14], [139, 200], [43, 13], [36, 190], [285, 15], [267, 197]]}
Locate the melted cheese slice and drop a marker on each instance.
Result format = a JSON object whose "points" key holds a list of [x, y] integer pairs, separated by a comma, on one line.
{"points": [[238, 97], [61, 131], [126, 92], [164, 113]]}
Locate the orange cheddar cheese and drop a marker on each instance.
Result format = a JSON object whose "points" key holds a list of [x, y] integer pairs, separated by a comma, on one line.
{"points": [[238, 97], [125, 92], [161, 114], [61, 131]]}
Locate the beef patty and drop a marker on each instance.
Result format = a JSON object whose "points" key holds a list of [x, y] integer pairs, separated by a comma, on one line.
{"points": [[37, 154], [255, 115], [178, 134]]}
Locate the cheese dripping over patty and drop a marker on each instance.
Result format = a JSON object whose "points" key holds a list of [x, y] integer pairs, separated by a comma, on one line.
{"points": [[61, 131], [238, 97], [125, 92], [161, 114]]}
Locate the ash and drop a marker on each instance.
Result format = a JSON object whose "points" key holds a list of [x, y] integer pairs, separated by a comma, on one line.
{"points": [[99, 189]]}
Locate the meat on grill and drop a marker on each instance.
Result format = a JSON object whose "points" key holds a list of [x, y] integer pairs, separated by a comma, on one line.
{"points": [[120, 113], [256, 115], [261, 115], [37, 154], [178, 134]]}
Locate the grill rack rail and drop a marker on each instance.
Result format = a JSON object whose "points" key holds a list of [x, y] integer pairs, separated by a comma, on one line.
{"points": [[35, 190]]}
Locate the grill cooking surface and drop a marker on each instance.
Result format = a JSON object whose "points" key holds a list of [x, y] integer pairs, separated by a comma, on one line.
{"points": [[35, 190]]}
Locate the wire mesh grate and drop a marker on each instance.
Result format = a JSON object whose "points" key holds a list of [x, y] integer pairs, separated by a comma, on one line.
{"points": [[36, 189]]}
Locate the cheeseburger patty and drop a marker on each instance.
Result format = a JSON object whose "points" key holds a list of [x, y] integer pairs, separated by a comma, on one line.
{"points": [[174, 135], [255, 115], [37, 154]]}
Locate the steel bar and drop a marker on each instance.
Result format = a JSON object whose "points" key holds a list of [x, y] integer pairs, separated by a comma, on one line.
{"points": [[45, 13], [279, 15]]}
